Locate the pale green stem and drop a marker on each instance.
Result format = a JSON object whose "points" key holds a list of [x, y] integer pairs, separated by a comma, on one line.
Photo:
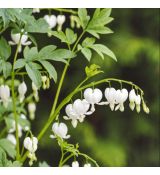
{"points": [[14, 99]]}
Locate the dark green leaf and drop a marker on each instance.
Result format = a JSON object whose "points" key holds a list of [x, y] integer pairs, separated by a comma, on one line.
{"points": [[7, 68], [50, 69], [8, 147], [34, 74], [5, 49]]}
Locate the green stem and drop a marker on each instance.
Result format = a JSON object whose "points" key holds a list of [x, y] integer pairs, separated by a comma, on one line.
{"points": [[62, 156], [89, 158], [66, 159], [65, 10], [63, 76], [14, 99]]}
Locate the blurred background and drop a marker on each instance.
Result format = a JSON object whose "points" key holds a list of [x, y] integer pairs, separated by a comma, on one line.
{"points": [[113, 138]]}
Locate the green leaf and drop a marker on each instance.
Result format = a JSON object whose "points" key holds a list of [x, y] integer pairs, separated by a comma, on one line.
{"points": [[87, 53], [101, 49], [34, 74], [84, 18], [8, 147], [36, 26], [88, 42], [35, 65], [92, 70], [7, 68], [60, 35], [97, 24], [50, 69], [30, 54], [5, 49], [45, 51], [56, 55], [19, 63], [3, 159], [71, 36]]}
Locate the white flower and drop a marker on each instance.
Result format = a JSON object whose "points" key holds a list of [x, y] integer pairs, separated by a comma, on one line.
{"points": [[11, 138], [110, 94], [13, 128], [51, 20], [31, 110], [135, 100], [93, 96], [22, 89], [138, 103], [77, 111], [16, 38], [5, 95], [31, 144], [36, 10], [35, 91], [75, 164], [60, 130], [87, 165], [60, 21], [120, 97]]}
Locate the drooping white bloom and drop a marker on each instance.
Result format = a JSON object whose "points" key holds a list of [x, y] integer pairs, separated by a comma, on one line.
{"points": [[75, 164], [120, 97], [93, 96], [132, 98], [13, 128], [138, 103], [31, 144], [60, 21], [110, 94], [60, 130], [22, 89], [77, 111], [87, 165], [36, 10], [5, 95], [35, 91], [11, 138], [16, 38], [31, 110], [51, 20]]}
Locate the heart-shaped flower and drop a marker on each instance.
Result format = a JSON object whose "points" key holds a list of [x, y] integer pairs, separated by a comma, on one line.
{"points": [[51, 20]]}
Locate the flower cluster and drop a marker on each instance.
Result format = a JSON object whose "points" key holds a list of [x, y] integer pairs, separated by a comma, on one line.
{"points": [[114, 98], [76, 164], [52, 21]]}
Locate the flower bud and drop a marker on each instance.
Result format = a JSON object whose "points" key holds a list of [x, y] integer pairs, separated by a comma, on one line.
{"points": [[60, 21], [145, 108], [44, 79], [5, 95], [32, 109], [75, 164], [87, 165], [22, 89]]}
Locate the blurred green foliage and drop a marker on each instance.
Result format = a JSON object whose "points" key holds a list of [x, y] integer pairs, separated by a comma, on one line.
{"points": [[114, 138]]}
